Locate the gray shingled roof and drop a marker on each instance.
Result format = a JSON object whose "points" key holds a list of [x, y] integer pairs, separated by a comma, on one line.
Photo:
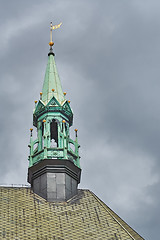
{"points": [[25, 215]]}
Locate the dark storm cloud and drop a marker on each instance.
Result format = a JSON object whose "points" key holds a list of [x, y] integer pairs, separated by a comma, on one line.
{"points": [[108, 58]]}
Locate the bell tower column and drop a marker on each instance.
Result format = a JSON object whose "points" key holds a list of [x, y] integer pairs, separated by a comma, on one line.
{"points": [[54, 170]]}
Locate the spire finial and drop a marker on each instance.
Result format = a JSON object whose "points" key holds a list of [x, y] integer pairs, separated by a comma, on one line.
{"points": [[51, 42], [52, 27]]}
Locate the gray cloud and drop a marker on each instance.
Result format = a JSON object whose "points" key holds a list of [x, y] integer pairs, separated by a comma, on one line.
{"points": [[108, 58]]}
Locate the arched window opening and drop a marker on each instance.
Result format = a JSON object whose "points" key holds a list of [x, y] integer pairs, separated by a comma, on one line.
{"points": [[66, 129], [54, 133], [42, 128], [72, 147], [35, 148], [62, 128]]}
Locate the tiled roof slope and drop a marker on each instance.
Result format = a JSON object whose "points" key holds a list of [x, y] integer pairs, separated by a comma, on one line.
{"points": [[25, 215]]}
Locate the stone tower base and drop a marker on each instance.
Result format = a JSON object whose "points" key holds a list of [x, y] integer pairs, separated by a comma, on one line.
{"points": [[54, 179]]}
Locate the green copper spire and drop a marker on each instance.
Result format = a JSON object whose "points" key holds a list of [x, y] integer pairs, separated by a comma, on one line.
{"points": [[53, 117], [52, 85]]}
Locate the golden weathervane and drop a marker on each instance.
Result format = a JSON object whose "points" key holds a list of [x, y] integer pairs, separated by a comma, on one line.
{"points": [[52, 27]]}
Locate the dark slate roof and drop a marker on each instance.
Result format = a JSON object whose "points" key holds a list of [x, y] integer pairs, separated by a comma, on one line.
{"points": [[25, 215]]}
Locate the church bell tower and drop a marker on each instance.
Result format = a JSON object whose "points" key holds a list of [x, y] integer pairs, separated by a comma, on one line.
{"points": [[54, 168]]}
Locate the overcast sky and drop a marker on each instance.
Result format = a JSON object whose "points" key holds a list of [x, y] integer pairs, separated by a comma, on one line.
{"points": [[108, 58]]}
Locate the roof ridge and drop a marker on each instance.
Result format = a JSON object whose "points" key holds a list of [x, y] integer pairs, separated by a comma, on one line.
{"points": [[14, 185], [106, 208]]}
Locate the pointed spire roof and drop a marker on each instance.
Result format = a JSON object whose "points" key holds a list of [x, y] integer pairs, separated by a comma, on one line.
{"points": [[52, 85]]}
